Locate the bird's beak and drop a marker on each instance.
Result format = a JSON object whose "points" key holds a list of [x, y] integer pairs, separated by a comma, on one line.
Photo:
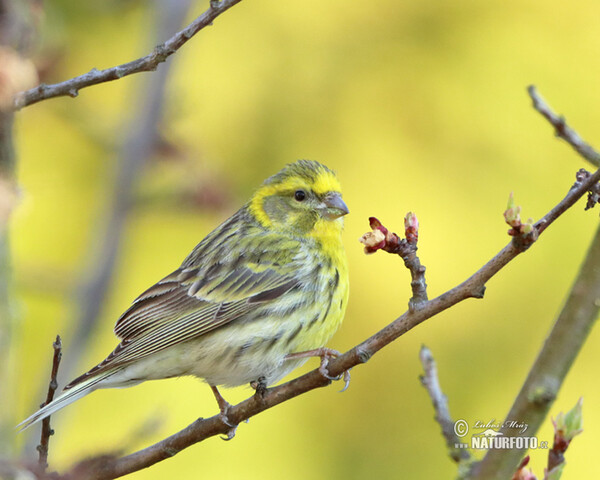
{"points": [[334, 206]]}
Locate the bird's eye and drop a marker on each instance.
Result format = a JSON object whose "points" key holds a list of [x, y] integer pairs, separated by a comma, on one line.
{"points": [[300, 195]]}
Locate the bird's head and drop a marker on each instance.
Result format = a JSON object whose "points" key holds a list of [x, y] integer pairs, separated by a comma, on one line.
{"points": [[304, 196]]}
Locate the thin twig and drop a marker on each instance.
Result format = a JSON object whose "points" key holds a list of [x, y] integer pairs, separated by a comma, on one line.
{"points": [[556, 455], [440, 404], [53, 385], [205, 428], [144, 64], [562, 129]]}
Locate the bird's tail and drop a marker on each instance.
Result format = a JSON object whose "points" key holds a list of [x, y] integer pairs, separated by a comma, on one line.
{"points": [[67, 396]]}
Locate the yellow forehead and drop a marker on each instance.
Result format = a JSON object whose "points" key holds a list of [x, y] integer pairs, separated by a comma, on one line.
{"points": [[324, 182]]}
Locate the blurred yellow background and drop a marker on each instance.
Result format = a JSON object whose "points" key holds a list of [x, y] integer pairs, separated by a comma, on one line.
{"points": [[419, 106]]}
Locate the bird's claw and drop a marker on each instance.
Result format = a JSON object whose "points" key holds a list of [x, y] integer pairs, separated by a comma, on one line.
{"points": [[224, 407], [323, 369], [260, 386], [225, 419], [325, 354], [230, 433]]}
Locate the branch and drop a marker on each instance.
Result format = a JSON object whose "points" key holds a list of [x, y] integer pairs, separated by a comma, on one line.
{"points": [[144, 64], [562, 129], [564, 342], [46, 430], [201, 429], [440, 404]]}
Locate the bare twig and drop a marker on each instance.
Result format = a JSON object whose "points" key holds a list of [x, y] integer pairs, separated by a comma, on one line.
{"points": [[46, 430], [144, 64], [440, 404], [205, 428], [562, 129], [413, 263], [560, 349]]}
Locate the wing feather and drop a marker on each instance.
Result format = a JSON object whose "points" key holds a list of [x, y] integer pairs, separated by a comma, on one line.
{"points": [[198, 298]]}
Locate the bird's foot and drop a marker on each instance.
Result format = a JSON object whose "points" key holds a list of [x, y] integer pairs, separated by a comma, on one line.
{"points": [[260, 386], [230, 433], [325, 354], [224, 407]]}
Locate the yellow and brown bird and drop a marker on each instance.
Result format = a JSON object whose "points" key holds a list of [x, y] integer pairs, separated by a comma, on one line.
{"points": [[259, 295]]}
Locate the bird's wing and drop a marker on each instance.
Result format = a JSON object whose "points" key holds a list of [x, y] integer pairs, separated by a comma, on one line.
{"points": [[197, 298], [188, 297]]}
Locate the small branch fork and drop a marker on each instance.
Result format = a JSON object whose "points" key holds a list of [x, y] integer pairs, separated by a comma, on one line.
{"points": [[46, 429], [380, 238], [144, 64], [420, 310]]}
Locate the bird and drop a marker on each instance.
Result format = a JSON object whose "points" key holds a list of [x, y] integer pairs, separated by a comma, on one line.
{"points": [[257, 297]]}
